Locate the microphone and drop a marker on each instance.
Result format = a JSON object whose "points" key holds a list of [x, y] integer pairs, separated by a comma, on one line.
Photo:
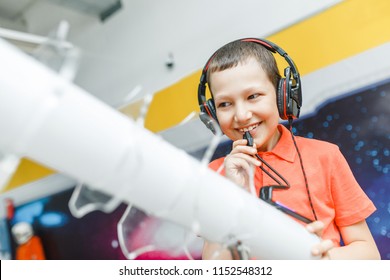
{"points": [[208, 122], [248, 138]]}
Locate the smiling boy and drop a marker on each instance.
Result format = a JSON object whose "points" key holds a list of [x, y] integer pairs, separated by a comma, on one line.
{"points": [[249, 95]]}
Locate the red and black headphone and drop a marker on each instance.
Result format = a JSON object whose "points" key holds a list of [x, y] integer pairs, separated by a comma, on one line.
{"points": [[289, 92]]}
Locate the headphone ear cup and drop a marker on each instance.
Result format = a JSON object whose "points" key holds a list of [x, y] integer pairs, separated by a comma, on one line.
{"points": [[208, 115], [211, 109], [281, 98]]}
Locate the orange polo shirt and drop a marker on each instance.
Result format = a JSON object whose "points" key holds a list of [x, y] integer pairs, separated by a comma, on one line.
{"points": [[337, 198]]}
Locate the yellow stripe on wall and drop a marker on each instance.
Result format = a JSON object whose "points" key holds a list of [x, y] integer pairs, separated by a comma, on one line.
{"points": [[342, 31], [171, 105], [27, 172]]}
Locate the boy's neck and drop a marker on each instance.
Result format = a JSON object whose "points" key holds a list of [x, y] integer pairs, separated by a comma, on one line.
{"points": [[271, 143]]}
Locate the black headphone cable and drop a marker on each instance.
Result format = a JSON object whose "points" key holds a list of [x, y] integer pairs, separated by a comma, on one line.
{"points": [[249, 138], [290, 120]]}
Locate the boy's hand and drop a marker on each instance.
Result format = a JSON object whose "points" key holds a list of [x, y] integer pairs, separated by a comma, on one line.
{"points": [[321, 249], [239, 162]]}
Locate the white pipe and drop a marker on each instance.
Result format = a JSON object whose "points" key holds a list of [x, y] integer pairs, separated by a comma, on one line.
{"points": [[28, 38], [54, 122]]}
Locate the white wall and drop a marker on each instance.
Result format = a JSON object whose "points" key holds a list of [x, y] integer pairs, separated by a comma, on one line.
{"points": [[132, 46]]}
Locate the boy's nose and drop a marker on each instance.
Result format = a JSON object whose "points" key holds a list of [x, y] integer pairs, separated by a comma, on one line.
{"points": [[242, 114]]}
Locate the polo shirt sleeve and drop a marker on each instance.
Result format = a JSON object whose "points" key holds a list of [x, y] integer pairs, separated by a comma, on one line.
{"points": [[351, 203], [217, 166]]}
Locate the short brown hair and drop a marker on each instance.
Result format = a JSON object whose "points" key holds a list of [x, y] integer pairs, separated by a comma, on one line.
{"points": [[237, 52]]}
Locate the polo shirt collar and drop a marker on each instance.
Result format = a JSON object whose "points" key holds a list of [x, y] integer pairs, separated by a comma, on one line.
{"points": [[285, 146]]}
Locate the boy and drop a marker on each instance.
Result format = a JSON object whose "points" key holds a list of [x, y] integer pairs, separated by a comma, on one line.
{"points": [[249, 95]]}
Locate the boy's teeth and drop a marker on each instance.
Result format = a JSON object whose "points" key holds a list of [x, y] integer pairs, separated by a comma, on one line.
{"points": [[248, 128]]}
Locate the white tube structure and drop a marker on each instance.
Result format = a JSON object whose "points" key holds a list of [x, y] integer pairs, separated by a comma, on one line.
{"points": [[56, 123]]}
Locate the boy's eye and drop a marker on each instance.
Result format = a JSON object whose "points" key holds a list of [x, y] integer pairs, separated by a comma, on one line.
{"points": [[253, 96], [223, 104]]}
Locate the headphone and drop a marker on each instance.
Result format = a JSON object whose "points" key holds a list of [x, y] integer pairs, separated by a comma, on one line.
{"points": [[289, 92]]}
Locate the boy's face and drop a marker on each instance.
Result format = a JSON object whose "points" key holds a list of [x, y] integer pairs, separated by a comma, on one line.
{"points": [[245, 99]]}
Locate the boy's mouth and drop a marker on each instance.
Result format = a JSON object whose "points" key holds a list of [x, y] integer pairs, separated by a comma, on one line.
{"points": [[249, 128]]}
